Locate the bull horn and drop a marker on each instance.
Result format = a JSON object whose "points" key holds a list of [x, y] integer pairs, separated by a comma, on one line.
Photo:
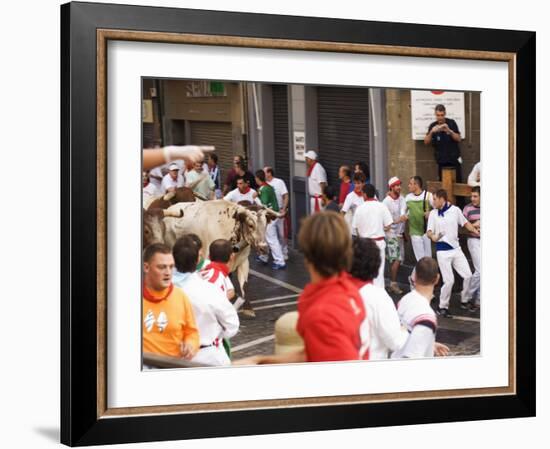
{"points": [[173, 213], [200, 197], [169, 196]]}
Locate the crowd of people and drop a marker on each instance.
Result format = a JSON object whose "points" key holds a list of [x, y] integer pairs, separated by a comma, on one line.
{"points": [[344, 312]]}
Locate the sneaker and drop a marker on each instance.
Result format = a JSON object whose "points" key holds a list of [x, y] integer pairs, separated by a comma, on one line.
{"points": [[474, 308], [286, 256], [277, 266], [261, 260], [465, 305], [394, 288], [443, 312]]}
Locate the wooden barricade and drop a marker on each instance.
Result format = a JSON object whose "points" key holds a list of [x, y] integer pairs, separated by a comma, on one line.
{"points": [[453, 188]]}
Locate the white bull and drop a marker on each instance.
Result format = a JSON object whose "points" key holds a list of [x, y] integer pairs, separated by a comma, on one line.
{"points": [[220, 219]]}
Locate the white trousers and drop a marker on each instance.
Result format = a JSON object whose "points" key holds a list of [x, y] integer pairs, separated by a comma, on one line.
{"points": [[474, 246], [212, 355], [273, 243], [280, 227], [448, 260], [312, 201], [422, 246], [379, 280]]}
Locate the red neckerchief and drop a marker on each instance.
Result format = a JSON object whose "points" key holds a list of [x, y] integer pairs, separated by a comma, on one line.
{"points": [[370, 199], [359, 283], [310, 169], [149, 296], [218, 266], [246, 190], [263, 184]]}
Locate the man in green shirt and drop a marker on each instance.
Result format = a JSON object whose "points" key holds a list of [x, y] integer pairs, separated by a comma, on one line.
{"points": [[419, 204], [267, 196]]}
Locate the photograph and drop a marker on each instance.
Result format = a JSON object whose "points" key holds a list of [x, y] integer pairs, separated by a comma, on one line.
{"points": [[293, 223], [272, 224]]}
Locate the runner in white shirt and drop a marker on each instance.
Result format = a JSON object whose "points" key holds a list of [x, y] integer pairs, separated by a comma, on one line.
{"points": [[215, 316], [243, 192], [201, 183], [371, 220], [354, 199], [316, 180], [172, 180], [395, 245], [474, 178], [418, 317], [155, 177], [385, 331], [281, 192], [419, 204], [443, 224], [149, 190]]}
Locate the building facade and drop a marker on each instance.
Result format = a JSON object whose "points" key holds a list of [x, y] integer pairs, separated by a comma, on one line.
{"points": [[272, 124]]}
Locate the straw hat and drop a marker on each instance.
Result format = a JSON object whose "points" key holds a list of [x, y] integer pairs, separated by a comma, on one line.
{"points": [[287, 338]]}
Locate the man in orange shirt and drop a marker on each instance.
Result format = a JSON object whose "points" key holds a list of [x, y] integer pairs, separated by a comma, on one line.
{"points": [[169, 327]]}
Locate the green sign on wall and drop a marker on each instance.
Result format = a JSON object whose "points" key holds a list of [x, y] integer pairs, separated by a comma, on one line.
{"points": [[217, 88]]}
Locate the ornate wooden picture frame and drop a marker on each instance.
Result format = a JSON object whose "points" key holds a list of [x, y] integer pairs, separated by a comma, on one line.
{"points": [[86, 30]]}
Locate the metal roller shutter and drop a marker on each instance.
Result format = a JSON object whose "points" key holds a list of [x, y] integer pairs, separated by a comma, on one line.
{"points": [[280, 131], [343, 128], [218, 134], [148, 135]]}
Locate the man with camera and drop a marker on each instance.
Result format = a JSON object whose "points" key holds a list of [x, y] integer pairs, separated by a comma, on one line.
{"points": [[444, 136]]}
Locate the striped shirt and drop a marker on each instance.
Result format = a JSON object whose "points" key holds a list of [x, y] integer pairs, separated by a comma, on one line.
{"points": [[472, 214]]}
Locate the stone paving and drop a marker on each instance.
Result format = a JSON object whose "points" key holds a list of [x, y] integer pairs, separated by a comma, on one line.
{"points": [[274, 293]]}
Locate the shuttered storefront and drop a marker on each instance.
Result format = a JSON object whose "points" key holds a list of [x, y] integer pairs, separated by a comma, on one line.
{"points": [[218, 134], [280, 131], [150, 130], [343, 128]]}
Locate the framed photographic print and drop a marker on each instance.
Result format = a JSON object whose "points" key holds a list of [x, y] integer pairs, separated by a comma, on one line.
{"points": [[273, 224]]}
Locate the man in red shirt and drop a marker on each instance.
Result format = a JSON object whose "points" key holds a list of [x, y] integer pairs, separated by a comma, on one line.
{"points": [[331, 312], [344, 174]]}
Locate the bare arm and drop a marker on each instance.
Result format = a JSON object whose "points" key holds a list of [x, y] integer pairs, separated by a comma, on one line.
{"points": [[434, 238], [291, 357], [285, 202], [160, 156], [455, 136], [470, 227], [428, 136], [440, 350]]}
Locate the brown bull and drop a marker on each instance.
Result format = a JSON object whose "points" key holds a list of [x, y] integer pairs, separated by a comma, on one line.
{"points": [[154, 228], [180, 195], [243, 226]]}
